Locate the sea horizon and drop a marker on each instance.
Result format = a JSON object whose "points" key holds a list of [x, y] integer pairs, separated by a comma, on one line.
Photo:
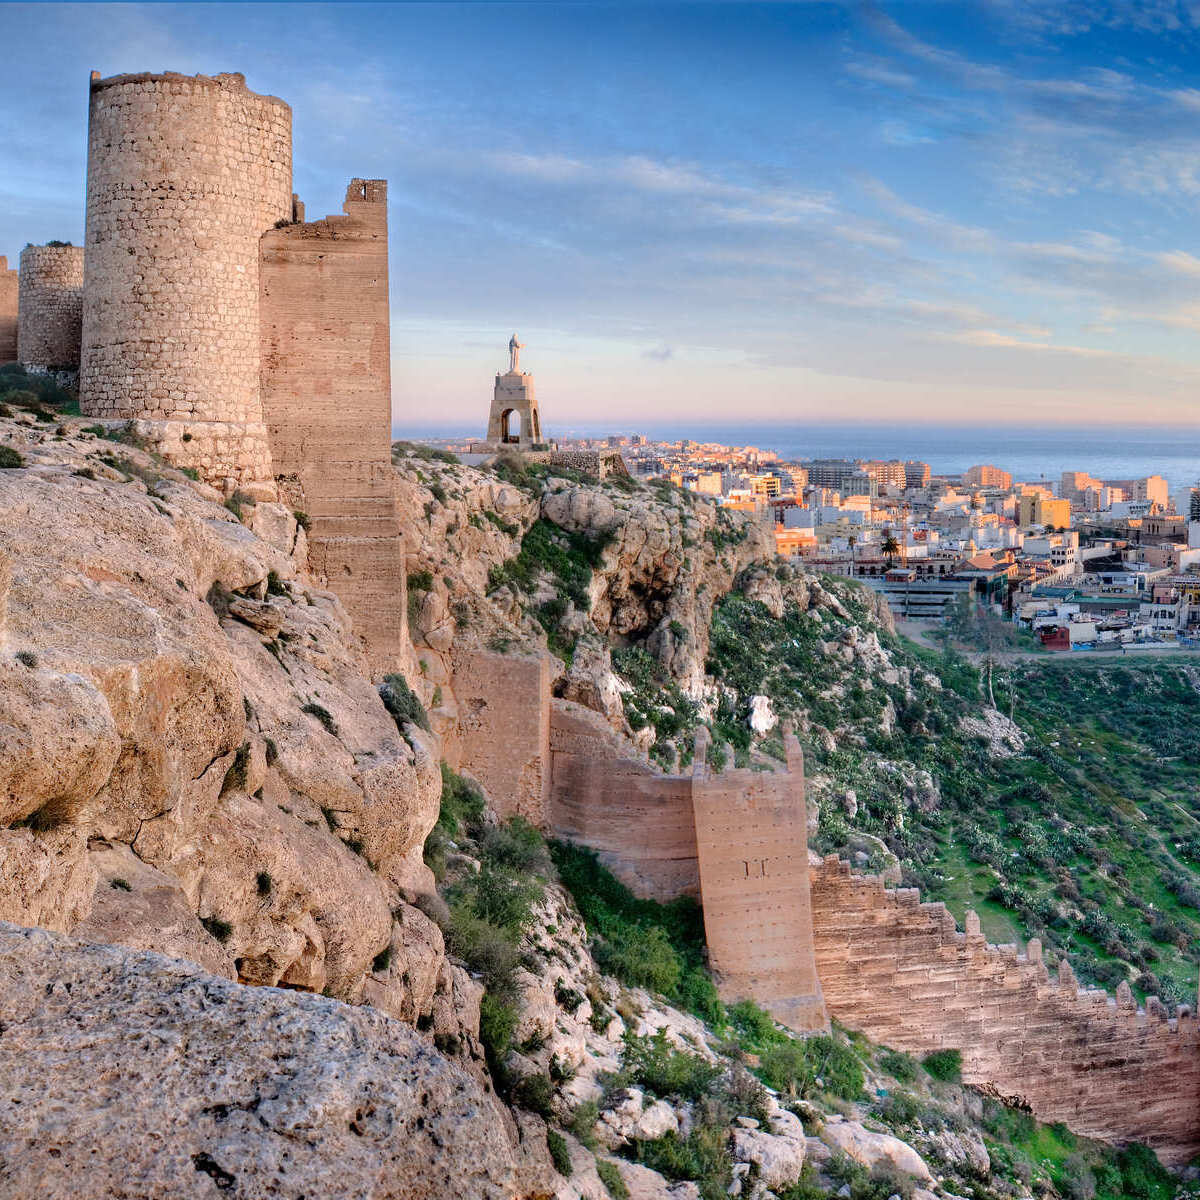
{"points": [[1031, 453]]}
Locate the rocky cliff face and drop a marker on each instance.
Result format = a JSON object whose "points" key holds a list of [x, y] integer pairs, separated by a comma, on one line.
{"points": [[508, 555], [193, 758]]}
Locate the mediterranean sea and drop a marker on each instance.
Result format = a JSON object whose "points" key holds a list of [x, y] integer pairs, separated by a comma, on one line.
{"points": [[1031, 453]]}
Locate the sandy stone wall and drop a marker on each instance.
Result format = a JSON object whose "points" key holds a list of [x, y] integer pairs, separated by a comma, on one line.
{"points": [[327, 401], [899, 971], [9, 292], [752, 837], [638, 821], [737, 838], [600, 463], [185, 174], [504, 720], [51, 307]]}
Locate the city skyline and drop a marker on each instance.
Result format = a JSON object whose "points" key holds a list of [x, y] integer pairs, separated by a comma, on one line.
{"points": [[785, 212]]}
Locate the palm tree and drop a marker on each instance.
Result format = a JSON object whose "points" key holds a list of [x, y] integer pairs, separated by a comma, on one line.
{"points": [[890, 547]]}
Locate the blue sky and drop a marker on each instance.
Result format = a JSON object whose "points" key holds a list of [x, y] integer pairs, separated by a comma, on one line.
{"points": [[816, 211]]}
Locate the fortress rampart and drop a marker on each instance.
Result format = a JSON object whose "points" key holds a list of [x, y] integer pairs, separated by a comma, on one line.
{"points": [[9, 292], [900, 972], [327, 401], [806, 939], [737, 837], [185, 174], [50, 307]]}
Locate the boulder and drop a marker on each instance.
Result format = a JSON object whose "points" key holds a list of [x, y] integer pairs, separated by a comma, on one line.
{"points": [[869, 1148], [181, 1082]]}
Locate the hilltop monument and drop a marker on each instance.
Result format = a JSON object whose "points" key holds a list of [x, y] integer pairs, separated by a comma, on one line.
{"points": [[514, 419]]}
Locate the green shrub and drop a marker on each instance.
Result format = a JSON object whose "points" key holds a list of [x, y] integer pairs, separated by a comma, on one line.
{"points": [[610, 1176], [382, 960], [641, 942], [487, 950], [898, 1065], [322, 714], [659, 1068], [560, 1155], [420, 581], [219, 929], [805, 1067], [500, 898], [121, 885], [1142, 1175], [641, 957], [535, 1093], [583, 1123], [401, 701], [702, 1156], [945, 1065], [518, 846], [497, 1023], [264, 883], [754, 1026], [10, 458], [462, 802]]}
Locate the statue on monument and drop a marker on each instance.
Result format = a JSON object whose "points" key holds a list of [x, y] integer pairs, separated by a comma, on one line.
{"points": [[514, 354]]}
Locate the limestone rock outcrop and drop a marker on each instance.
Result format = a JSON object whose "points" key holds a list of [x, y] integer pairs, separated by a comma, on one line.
{"points": [[193, 757], [182, 1083]]}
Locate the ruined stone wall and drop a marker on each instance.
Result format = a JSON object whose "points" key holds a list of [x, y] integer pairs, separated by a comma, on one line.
{"points": [[638, 821], [9, 293], [752, 838], [504, 728], [598, 463], [185, 174], [900, 972], [51, 307], [327, 402]]}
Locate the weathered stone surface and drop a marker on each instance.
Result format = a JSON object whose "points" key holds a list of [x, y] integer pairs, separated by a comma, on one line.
{"points": [[779, 1159], [869, 1148], [224, 751], [127, 1073]]}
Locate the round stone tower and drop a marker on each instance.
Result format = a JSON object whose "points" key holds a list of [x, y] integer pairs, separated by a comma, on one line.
{"points": [[51, 307], [185, 174]]}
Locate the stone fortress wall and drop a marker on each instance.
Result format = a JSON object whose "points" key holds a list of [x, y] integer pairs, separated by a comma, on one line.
{"points": [[185, 174], [808, 940], [9, 292], [50, 307], [327, 402], [752, 844], [209, 305], [738, 838], [900, 971]]}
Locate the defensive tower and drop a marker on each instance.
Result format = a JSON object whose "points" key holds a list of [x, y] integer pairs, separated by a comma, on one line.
{"points": [[327, 399], [185, 174], [9, 290], [50, 307]]}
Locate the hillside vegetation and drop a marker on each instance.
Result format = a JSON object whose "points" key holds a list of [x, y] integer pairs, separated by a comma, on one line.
{"points": [[1073, 821]]}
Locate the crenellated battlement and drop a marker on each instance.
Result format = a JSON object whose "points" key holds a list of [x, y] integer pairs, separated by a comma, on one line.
{"points": [[899, 970]]}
